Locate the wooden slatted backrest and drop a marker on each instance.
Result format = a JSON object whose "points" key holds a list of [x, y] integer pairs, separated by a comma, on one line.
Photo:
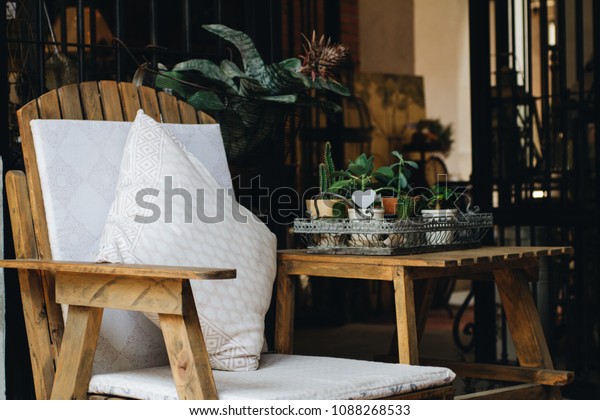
{"points": [[104, 100]]}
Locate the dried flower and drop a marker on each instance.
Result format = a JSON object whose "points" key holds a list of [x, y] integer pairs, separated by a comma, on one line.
{"points": [[321, 57]]}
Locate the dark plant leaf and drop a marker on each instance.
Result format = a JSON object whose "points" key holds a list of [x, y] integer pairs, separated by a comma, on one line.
{"points": [[206, 100], [254, 65]]}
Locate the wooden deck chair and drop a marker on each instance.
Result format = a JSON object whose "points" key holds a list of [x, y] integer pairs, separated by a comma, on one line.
{"points": [[62, 355]]}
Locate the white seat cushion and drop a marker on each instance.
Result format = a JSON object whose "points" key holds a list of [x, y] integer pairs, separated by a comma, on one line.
{"points": [[78, 163], [199, 225], [285, 377]]}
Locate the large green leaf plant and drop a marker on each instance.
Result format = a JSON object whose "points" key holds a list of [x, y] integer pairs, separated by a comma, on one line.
{"points": [[213, 87]]}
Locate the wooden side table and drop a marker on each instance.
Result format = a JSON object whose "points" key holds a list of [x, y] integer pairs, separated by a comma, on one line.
{"points": [[512, 268]]}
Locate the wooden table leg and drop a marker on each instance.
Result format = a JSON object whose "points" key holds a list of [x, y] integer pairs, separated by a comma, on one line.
{"points": [[187, 351], [74, 367], [405, 316], [523, 321], [424, 292], [284, 322]]}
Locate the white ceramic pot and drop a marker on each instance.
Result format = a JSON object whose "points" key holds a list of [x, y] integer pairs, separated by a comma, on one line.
{"points": [[438, 218], [357, 239], [378, 214]]}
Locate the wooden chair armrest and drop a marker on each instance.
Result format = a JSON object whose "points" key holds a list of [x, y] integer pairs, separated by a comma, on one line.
{"points": [[129, 270]]}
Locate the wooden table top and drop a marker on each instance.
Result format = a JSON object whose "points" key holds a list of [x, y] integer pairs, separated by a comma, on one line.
{"points": [[460, 257]]}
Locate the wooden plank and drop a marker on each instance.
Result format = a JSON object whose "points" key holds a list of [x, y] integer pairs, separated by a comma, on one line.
{"points": [[70, 102], [504, 373], [48, 106], [478, 272], [38, 215], [30, 282], [169, 109], [149, 102], [433, 259], [517, 392], [111, 100], [405, 317], [523, 320], [129, 100], [134, 270], [90, 101], [284, 321], [440, 393], [188, 113], [187, 352], [143, 294], [421, 260], [204, 118], [74, 368], [346, 270]]}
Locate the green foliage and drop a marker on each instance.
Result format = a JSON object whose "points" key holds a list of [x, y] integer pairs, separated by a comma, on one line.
{"points": [[441, 197], [431, 134], [323, 178], [277, 82], [405, 208], [328, 160], [395, 177]]}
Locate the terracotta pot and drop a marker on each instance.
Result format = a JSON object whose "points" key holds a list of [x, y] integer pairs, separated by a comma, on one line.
{"points": [[389, 205]]}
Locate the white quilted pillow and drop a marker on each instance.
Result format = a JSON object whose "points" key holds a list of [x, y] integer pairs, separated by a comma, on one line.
{"points": [[231, 311]]}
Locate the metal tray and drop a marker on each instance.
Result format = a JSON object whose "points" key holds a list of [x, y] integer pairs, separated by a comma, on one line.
{"points": [[393, 237]]}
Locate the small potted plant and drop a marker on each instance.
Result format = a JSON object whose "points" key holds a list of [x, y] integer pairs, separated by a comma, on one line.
{"points": [[321, 205], [357, 183], [394, 179], [441, 208]]}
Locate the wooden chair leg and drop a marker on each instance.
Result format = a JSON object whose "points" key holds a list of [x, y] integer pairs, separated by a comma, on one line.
{"points": [[284, 324], [74, 367], [187, 351], [405, 316]]}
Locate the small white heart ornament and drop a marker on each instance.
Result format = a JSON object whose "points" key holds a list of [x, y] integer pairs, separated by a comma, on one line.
{"points": [[364, 199]]}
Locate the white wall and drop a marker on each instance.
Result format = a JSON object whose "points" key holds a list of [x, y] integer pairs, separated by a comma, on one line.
{"points": [[386, 34], [441, 30]]}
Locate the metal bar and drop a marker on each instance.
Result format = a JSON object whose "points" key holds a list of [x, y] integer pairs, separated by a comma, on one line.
{"points": [[596, 95], [596, 88], [4, 98], [275, 31], [81, 40], [502, 104], [291, 34], [119, 35], [40, 19], [561, 43], [545, 86], [219, 19], [153, 36], [529, 82], [93, 39], [481, 129], [187, 27], [63, 25]]}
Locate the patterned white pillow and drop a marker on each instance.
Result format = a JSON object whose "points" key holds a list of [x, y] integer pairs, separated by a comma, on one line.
{"points": [[170, 210]]}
